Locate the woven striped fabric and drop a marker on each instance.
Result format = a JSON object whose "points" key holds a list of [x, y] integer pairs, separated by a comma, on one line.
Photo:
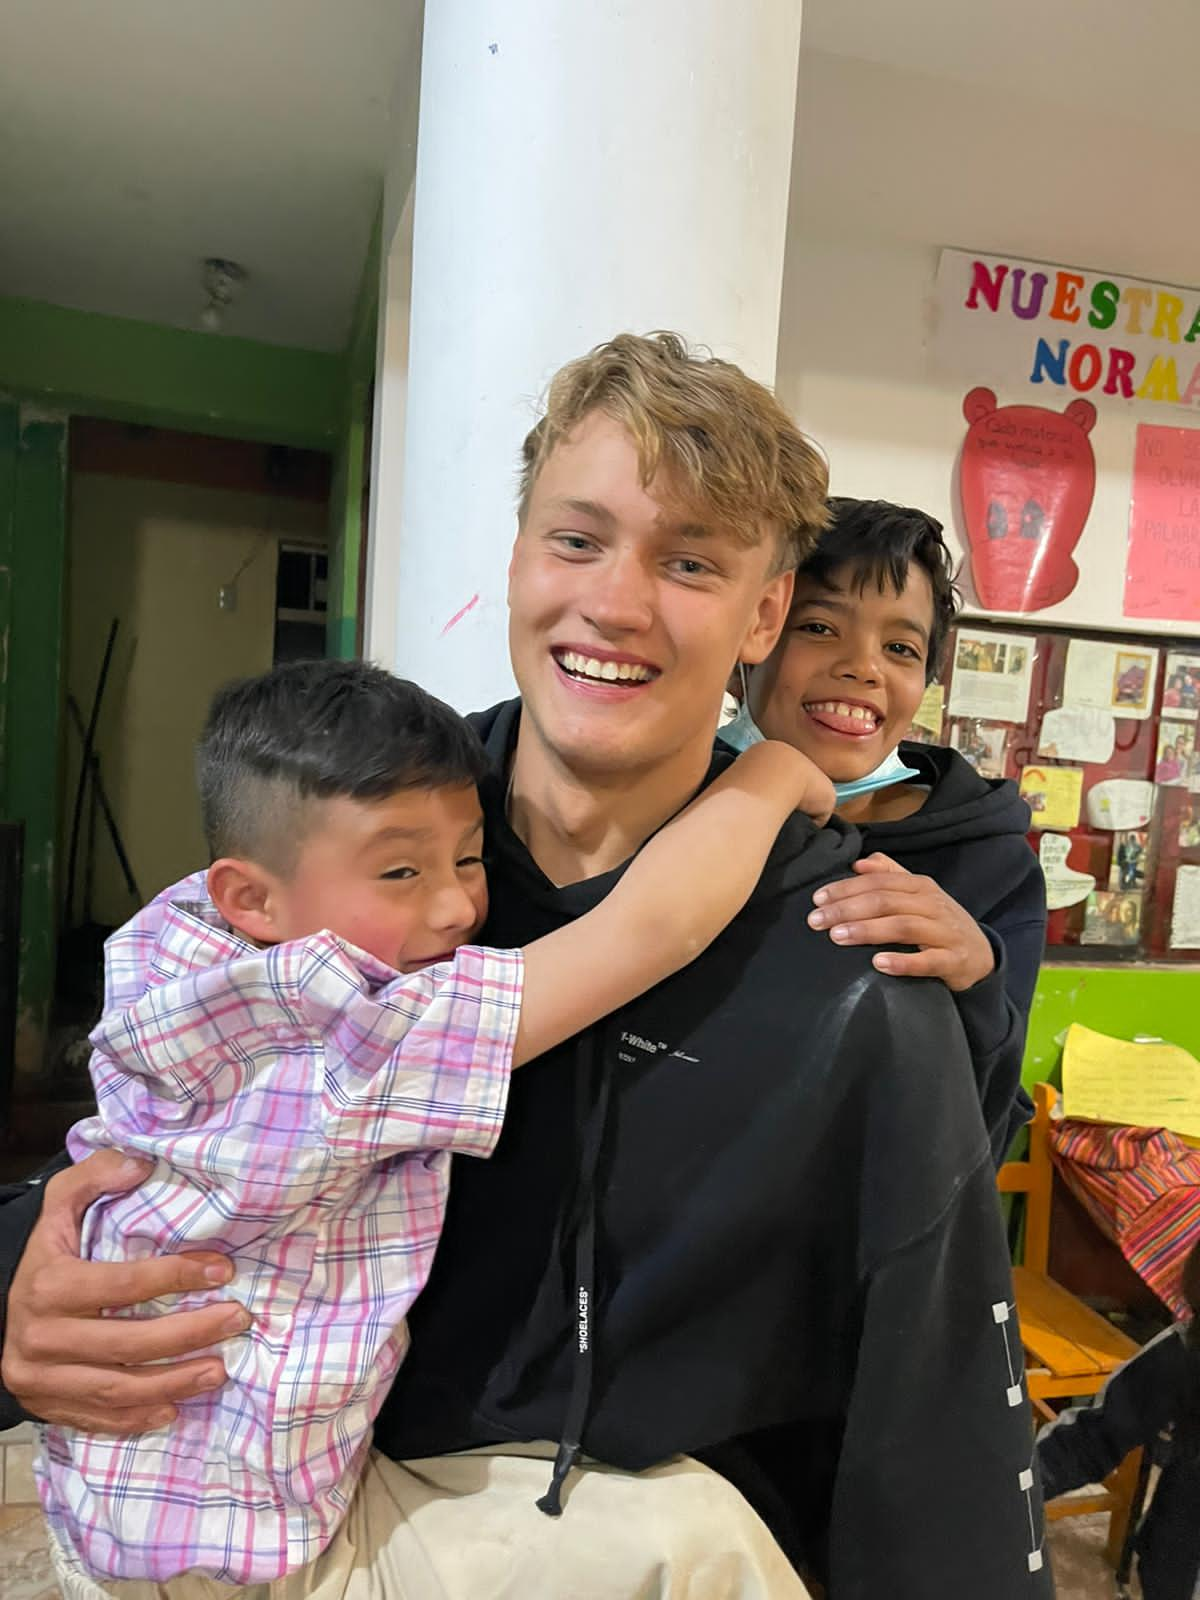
{"points": [[1142, 1188]]}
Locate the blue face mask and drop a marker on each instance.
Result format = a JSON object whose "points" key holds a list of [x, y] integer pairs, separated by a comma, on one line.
{"points": [[890, 770], [743, 731]]}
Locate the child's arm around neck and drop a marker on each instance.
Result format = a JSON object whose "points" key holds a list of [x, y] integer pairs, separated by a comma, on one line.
{"points": [[678, 893]]}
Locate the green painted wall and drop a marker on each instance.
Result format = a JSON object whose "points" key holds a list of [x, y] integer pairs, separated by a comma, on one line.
{"points": [[143, 372], [346, 494], [1122, 1001], [345, 538], [9, 427], [33, 628]]}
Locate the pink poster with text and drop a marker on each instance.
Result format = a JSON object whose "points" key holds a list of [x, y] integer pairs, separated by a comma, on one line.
{"points": [[1162, 569]]}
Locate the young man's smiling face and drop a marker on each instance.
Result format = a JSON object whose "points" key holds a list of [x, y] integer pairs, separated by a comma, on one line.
{"points": [[627, 612], [849, 672]]}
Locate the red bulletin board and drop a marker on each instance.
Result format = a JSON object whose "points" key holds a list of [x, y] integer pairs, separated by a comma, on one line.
{"points": [[1172, 837]]}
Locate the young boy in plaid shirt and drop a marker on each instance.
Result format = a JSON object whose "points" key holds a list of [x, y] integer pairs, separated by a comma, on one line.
{"points": [[299, 1039]]}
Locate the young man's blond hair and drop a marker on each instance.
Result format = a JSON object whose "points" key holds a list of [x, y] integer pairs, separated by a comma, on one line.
{"points": [[727, 448]]}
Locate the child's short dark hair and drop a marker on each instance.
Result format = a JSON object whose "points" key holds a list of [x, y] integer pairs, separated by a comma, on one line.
{"points": [[879, 541], [311, 730]]}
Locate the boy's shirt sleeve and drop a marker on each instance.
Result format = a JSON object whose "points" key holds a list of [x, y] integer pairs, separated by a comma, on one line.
{"points": [[995, 1011], [287, 1059], [995, 1030], [1143, 1396], [422, 1061], [937, 1490]]}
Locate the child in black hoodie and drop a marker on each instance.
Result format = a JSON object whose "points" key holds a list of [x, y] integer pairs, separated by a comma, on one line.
{"points": [[1153, 1402], [946, 869]]}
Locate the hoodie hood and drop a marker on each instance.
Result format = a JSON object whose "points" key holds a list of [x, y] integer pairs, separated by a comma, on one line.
{"points": [[961, 806], [802, 855]]}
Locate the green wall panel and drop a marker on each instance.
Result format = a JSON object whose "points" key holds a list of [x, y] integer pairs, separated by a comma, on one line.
{"points": [[144, 372], [1122, 1001]]}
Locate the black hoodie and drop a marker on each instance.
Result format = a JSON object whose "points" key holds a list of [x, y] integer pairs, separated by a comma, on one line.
{"points": [[1152, 1402], [751, 1216], [970, 837]]}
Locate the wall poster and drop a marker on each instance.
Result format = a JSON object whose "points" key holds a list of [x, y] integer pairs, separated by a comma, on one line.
{"points": [[1026, 481], [1162, 567]]}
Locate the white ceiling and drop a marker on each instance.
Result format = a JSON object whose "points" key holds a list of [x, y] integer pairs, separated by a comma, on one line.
{"points": [[1061, 130], [139, 136], [1108, 58]]}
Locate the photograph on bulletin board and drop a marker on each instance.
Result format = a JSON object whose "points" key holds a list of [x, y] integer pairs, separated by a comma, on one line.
{"points": [[1181, 691], [982, 746], [1177, 759], [1128, 869], [1113, 918]]}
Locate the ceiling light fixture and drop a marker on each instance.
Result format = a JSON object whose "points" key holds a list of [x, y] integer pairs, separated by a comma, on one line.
{"points": [[222, 280]]}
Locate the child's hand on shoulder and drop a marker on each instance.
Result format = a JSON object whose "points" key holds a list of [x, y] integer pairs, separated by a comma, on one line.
{"points": [[777, 768]]}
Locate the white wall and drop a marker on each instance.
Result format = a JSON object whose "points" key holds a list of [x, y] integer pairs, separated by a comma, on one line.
{"points": [[891, 166]]}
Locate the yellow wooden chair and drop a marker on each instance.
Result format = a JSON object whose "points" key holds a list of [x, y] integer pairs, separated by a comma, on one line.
{"points": [[1070, 1350]]}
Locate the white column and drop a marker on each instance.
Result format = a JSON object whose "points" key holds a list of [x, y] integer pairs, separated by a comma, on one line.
{"points": [[582, 169]]}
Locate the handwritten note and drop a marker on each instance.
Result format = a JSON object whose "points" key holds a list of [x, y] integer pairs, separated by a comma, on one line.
{"points": [[1162, 568], [1064, 885], [1185, 910], [1141, 1085], [1120, 803], [1078, 733]]}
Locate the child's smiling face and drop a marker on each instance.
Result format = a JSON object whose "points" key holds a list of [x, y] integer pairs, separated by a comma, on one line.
{"points": [[401, 878], [847, 676]]}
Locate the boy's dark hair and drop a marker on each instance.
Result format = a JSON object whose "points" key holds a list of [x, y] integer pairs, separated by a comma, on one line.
{"points": [[879, 541], [311, 730]]}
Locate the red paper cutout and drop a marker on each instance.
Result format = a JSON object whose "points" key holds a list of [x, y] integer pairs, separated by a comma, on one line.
{"points": [[1026, 482]]}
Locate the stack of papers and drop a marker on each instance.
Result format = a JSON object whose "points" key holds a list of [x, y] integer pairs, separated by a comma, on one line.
{"points": [[1152, 1085]]}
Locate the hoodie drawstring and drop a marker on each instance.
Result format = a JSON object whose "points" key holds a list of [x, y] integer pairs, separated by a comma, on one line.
{"points": [[592, 1071]]}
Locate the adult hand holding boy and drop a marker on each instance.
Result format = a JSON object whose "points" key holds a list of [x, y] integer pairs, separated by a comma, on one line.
{"points": [[63, 1361]]}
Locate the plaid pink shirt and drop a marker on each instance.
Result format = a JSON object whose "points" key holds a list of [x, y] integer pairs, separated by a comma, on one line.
{"points": [[300, 1104]]}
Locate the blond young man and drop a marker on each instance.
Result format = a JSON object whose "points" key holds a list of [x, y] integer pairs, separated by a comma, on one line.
{"points": [[742, 1235]]}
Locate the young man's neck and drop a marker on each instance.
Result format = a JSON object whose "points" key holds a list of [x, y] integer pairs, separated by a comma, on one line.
{"points": [[577, 826]]}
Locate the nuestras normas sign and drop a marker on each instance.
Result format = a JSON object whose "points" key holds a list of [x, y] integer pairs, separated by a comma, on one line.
{"points": [[1067, 330]]}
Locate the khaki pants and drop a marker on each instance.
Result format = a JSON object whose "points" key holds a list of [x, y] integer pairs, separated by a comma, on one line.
{"points": [[465, 1527]]}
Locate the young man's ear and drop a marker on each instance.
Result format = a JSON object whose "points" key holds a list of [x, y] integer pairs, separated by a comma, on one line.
{"points": [[244, 894], [771, 613]]}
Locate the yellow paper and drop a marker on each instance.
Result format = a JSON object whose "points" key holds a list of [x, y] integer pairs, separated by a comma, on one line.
{"points": [[1141, 1085], [929, 713], [1054, 795]]}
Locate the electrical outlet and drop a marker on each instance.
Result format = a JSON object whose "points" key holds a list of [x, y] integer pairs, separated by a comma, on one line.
{"points": [[227, 597]]}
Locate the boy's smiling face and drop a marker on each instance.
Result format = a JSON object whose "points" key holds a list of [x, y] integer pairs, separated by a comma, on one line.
{"points": [[401, 878], [847, 676]]}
